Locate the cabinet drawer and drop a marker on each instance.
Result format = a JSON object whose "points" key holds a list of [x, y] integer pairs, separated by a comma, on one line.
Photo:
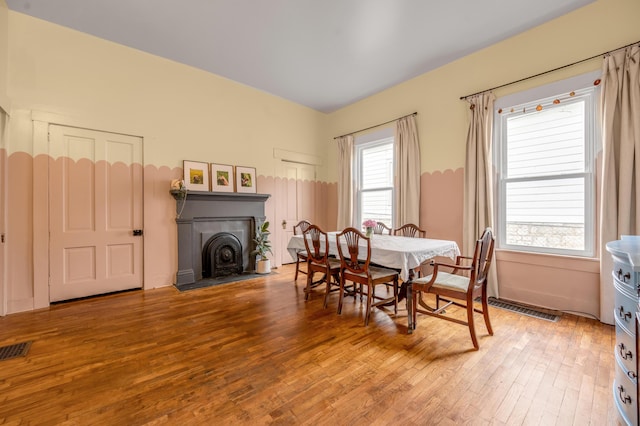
{"points": [[626, 352], [625, 308], [625, 396], [624, 273]]}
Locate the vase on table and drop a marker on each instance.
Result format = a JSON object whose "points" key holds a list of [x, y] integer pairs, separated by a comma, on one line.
{"points": [[369, 232]]}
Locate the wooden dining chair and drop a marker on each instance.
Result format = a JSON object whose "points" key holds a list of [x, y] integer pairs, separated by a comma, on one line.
{"points": [[318, 260], [356, 267], [381, 228], [413, 231], [301, 255], [460, 287], [410, 230]]}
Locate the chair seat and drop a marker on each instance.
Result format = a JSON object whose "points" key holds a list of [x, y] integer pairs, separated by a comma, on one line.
{"points": [[376, 272], [446, 280], [333, 264]]}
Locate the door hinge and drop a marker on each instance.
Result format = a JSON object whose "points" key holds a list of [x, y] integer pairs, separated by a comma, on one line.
{"points": [[1, 238]]}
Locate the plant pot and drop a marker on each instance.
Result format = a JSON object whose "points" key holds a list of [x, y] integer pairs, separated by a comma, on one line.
{"points": [[263, 266]]}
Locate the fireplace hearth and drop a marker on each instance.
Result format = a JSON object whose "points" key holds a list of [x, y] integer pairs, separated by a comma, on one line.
{"points": [[215, 237]]}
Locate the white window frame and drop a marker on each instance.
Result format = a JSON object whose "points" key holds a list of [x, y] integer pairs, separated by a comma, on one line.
{"points": [[583, 89], [381, 137]]}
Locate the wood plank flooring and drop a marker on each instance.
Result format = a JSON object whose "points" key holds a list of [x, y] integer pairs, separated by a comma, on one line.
{"points": [[256, 353]]}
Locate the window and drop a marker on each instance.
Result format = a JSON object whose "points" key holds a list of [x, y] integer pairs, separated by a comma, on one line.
{"points": [[374, 172], [545, 162]]}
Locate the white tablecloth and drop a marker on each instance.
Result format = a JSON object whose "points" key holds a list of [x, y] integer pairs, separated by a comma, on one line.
{"points": [[402, 253]]}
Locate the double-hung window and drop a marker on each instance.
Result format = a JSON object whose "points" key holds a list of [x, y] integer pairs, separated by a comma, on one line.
{"points": [[373, 174], [545, 158]]}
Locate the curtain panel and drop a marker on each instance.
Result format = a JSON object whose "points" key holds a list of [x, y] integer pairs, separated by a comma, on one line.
{"points": [[478, 179], [407, 178], [345, 181], [620, 192]]}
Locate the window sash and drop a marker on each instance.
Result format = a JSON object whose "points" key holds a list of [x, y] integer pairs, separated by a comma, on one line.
{"points": [[569, 239], [363, 193]]}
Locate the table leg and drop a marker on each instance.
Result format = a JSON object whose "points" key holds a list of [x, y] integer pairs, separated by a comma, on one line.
{"points": [[409, 295]]}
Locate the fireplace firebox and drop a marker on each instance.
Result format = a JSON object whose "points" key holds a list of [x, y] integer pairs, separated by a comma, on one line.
{"points": [[222, 256]]}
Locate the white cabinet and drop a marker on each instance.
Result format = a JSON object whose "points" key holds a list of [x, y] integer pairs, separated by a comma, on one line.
{"points": [[626, 283]]}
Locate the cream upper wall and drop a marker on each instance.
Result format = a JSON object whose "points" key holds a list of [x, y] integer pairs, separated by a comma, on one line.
{"points": [[4, 34], [442, 116], [185, 113], [181, 112]]}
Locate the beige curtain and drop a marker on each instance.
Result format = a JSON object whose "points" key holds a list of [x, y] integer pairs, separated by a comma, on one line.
{"points": [[407, 179], [620, 109], [478, 179], [345, 181]]}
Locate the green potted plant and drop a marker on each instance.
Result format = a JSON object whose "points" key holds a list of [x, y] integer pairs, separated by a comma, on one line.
{"points": [[263, 246]]}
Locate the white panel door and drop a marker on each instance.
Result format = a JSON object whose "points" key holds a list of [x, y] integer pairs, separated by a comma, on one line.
{"points": [[3, 195], [95, 204], [297, 202]]}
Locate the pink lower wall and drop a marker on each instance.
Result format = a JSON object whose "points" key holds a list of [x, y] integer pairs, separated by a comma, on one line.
{"points": [[556, 282], [563, 283]]}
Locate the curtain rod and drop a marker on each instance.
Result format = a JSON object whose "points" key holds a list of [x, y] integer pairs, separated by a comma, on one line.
{"points": [[549, 71], [377, 125]]}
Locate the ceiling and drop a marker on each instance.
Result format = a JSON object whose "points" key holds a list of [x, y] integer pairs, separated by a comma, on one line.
{"points": [[324, 54]]}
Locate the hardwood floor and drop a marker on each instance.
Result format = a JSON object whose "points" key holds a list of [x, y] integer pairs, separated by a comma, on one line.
{"points": [[256, 352]]}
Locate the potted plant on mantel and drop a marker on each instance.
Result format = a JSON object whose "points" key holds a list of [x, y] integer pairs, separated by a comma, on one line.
{"points": [[263, 246]]}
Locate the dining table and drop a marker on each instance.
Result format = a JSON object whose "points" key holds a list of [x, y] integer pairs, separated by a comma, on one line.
{"points": [[403, 254]]}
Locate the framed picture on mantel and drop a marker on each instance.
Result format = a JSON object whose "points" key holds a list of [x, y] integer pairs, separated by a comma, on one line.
{"points": [[222, 178], [246, 179], [196, 175]]}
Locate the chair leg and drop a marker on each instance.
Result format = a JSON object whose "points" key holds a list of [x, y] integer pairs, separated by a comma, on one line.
{"points": [[295, 278], [369, 298], [307, 288], [342, 283], [472, 327], [328, 289], [485, 314]]}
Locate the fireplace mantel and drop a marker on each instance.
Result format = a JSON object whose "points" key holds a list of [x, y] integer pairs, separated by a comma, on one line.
{"points": [[220, 196], [207, 213]]}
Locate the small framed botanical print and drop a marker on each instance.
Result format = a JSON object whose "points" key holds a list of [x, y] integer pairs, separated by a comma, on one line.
{"points": [[222, 178], [196, 175], [245, 179]]}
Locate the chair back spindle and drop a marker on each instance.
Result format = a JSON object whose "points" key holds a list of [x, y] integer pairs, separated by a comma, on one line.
{"points": [[410, 230]]}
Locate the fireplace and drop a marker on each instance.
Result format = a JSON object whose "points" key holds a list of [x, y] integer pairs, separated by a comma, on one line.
{"points": [[215, 234]]}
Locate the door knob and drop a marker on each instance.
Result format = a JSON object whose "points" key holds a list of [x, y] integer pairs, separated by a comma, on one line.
{"points": [[284, 224]]}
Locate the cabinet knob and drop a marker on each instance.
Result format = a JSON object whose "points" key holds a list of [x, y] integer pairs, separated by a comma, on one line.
{"points": [[624, 398], [623, 354], [624, 315], [624, 277]]}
